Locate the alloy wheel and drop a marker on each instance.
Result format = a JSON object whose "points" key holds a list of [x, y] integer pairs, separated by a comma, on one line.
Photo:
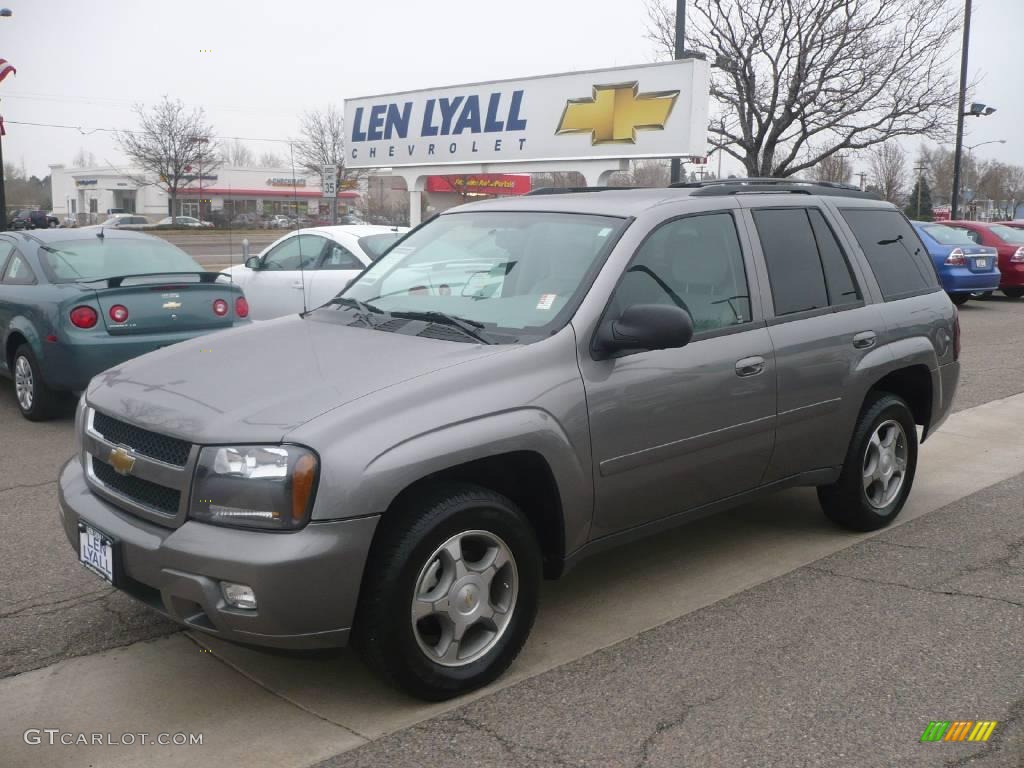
{"points": [[24, 383], [885, 464]]}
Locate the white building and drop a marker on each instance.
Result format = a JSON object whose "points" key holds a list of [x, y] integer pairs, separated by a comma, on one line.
{"points": [[90, 194]]}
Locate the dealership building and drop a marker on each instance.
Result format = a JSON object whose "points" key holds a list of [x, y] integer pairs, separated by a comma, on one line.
{"points": [[89, 194]]}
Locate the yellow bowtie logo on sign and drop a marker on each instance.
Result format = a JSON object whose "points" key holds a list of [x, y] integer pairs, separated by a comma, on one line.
{"points": [[615, 113]]}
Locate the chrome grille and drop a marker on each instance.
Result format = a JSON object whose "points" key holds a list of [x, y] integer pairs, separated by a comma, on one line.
{"points": [[169, 450], [141, 491]]}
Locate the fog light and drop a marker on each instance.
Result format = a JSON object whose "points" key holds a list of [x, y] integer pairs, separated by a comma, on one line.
{"points": [[238, 595]]}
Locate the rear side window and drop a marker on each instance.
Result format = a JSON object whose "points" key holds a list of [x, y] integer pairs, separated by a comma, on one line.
{"points": [[894, 251], [791, 253], [842, 288], [18, 272]]}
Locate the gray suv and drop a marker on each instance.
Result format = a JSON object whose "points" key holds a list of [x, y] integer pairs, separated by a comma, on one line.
{"points": [[517, 384]]}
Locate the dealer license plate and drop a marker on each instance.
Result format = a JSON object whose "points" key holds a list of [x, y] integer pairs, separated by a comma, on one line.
{"points": [[96, 551]]}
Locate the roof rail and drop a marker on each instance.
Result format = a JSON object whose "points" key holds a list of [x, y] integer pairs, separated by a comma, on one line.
{"points": [[760, 185], [571, 190]]}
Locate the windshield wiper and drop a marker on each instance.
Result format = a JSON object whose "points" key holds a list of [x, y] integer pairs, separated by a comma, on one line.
{"points": [[468, 327], [364, 310]]}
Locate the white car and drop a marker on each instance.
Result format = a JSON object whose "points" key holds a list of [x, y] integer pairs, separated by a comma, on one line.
{"points": [[317, 263], [183, 221]]}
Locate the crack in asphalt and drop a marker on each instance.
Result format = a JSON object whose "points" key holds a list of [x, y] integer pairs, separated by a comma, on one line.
{"points": [[27, 485], [955, 593], [995, 744], [647, 747], [508, 744], [60, 605]]}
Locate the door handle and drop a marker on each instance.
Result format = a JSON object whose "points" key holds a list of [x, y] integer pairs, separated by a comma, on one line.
{"points": [[750, 366], [864, 340]]}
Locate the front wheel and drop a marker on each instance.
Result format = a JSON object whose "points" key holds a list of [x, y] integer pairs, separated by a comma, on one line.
{"points": [[450, 592], [1014, 293], [879, 469], [959, 298]]}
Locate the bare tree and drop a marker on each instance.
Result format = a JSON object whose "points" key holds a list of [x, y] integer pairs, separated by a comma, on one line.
{"points": [[322, 142], [236, 154], [835, 168], [888, 164], [797, 81], [269, 160], [84, 159], [172, 145], [557, 179]]}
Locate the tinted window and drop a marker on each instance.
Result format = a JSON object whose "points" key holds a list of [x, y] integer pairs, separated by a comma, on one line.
{"points": [[791, 253], [299, 252], [339, 257], [18, 271], [894, 251], [842, 288], [694, 263]]}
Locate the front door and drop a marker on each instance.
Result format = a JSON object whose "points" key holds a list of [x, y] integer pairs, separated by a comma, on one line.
{"points": [[286, 271], [676, 429]]}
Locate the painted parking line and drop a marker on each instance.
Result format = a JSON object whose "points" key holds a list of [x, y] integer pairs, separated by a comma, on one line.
{"points": [[605, 600]]}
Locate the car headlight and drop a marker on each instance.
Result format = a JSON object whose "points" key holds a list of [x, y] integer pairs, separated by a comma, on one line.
{"points": [[255, 486]]}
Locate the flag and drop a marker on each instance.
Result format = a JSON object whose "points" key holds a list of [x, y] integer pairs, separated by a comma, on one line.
{"points": [[6, 69]]}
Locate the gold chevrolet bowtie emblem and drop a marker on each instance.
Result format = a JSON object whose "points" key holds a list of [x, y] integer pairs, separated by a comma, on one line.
{"points": [[172, 305], [121, 460], [614, 113]]}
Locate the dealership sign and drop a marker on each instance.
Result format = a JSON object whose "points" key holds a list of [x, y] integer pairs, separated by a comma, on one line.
{"points": [[657, 110], [481, 184]]}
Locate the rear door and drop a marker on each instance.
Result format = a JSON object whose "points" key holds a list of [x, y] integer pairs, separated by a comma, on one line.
{"points": [[821, 329], [286, 271], [337, 266]]}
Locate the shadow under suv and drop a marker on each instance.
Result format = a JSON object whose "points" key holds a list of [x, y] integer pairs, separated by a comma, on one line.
{"points": [[515, 385]]}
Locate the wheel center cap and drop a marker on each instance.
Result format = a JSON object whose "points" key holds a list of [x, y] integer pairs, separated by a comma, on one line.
{"points": [[886, 462], [468, 599]]}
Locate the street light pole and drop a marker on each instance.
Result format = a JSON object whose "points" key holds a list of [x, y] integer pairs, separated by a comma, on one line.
{"points": [[677, 164], [961, 103]]}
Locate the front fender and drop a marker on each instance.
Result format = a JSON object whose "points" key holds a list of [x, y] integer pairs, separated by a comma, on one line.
{"points": [[522, 429]]}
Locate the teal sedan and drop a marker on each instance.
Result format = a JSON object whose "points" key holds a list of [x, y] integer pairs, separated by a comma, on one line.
{"points": [[74, 303]]}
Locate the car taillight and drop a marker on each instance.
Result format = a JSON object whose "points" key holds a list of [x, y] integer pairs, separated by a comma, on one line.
{"points": [[118, 313], [956, 258], [83, 317], [220, 307], [956, 334], [1018, 255], [241, 307]]}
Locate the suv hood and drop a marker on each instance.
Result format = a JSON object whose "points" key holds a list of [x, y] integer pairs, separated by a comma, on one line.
{"points": [[257, 383]]}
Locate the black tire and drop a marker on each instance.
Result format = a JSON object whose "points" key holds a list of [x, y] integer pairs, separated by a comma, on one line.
{"points": [[959, 298], [45, 402], [1013, 293], [403, 547], [845, 502]]}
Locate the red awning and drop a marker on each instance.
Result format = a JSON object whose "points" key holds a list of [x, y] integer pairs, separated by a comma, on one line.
{"points": [[481, 183], [282, 192]]}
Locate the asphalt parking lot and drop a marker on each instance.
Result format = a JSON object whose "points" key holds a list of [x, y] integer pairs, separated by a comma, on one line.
{"points": [[788, 642]]}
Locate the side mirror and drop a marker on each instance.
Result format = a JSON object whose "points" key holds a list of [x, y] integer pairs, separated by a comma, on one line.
{"points": [[253, 262], [643, 327]]}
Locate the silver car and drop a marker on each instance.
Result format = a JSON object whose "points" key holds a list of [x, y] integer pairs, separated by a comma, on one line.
{"points": [[516, 385]]}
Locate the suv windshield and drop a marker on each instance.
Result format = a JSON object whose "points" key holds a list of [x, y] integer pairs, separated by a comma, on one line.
{"points": [[947, 235], [518, 273], [93, 258]]}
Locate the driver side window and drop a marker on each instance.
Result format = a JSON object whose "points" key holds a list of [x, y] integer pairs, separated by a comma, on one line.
{"points": [[695, 263], [298, 252]]}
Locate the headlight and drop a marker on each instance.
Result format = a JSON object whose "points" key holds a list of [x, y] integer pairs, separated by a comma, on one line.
{"points": [[255, 486]]}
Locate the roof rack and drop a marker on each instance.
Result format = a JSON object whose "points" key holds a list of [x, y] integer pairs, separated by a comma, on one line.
{"points": [[570, 190], [762, 185]]}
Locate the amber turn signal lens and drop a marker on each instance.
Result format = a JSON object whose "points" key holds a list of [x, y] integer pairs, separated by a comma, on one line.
{"points": [[303, 477]]}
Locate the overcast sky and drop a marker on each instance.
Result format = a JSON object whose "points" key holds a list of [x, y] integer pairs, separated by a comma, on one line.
{"points": [[86, 64]]}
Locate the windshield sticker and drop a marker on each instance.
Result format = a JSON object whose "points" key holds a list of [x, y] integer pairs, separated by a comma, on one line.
{"points": [[546, 300], [604, 232]]}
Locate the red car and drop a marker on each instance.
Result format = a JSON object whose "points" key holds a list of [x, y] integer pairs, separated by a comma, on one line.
{"points": [[1009, 241]]}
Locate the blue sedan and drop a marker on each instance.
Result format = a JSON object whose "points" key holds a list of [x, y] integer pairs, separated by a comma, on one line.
{"points": [[963, 266]]}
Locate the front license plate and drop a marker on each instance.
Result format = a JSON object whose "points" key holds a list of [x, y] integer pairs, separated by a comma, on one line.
{"points": [[981, 263], [96, 551]]}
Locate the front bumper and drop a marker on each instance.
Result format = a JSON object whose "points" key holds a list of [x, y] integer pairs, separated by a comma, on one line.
{"points": [[306, 583]]}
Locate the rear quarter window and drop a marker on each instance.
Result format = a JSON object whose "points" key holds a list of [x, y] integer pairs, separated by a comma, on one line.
{"points": [[897, 256]]}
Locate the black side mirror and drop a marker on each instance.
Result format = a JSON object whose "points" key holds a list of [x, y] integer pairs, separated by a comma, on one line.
{"points": [[253, 262], [643, 327]]}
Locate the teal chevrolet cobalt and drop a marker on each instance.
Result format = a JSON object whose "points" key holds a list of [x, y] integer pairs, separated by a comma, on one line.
{"points": [[74, 303]]}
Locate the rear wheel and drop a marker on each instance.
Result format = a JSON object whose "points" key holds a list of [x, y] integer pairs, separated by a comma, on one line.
{"points": [[959, 298], [450, 592], [879, 469], [1014, 293], [36, 401]]}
